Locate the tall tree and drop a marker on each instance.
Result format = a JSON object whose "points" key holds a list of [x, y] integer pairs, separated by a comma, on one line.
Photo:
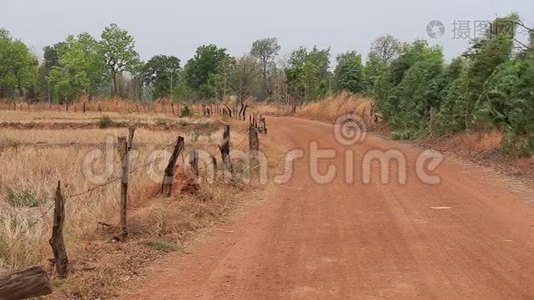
{"points": [[162, 73], [221, 81], [51, 59], [348, 75], [18, 66], [507, 102], [307, 74], [245, 77], [202, 67], [485, 56], [385, 48], [265, 50], [80, 68], [118, 47]]}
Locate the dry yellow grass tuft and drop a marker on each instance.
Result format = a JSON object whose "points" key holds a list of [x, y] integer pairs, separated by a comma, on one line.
{"points": [[331, 108]]}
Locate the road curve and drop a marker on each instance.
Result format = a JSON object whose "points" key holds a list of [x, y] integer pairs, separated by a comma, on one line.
{"points": [[469, 237]]}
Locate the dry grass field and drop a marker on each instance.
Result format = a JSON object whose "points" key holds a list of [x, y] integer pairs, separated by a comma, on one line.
{"points": [[86, 161]]}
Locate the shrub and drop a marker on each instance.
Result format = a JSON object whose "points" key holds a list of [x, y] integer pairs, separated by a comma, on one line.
{"points": [[105, 121], [23, 198], [186, 112], [406, 134]]}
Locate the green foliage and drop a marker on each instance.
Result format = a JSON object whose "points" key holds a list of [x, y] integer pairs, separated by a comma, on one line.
{"points": [[348, 75], [118, 48], [508, 103], [202, 67], [452, 115], [79, 69], [405, 134], [24, 198], [104, 121], [186, 112], [18, 67], [408, 92], [307, 74], [163, 73], [265, 50], [373, 71], [220, 82], [486, 55]]}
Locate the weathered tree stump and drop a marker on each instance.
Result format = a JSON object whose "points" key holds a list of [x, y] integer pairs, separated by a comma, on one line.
{"points": [[24, 284]]}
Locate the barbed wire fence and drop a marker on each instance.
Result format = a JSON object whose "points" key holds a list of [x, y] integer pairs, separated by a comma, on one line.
{"points": [[114, 179]]}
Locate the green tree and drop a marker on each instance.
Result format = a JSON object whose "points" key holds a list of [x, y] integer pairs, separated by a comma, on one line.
{"points": [[162, 73], [307, 74], [80, 70], [486, 55], [18, 66], [508, 103], [202, 67], [51, 59], [265, 50], [220, 82], [386, 93], [118, 48], [373, 70], [417, 96], [348, 75]]}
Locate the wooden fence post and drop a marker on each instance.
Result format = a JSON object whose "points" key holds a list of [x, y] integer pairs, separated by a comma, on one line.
{"points": [[83, 107], [225, 148], [254, 147], [24, 284], [168, 178], [244, 113], [131, 132], [56, 242], [193, 162], [123, 152]]}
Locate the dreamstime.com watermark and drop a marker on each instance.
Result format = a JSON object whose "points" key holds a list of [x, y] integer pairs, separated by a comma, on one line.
{"points": [[349, 161]]}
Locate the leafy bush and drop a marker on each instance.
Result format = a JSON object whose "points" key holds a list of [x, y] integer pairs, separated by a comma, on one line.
{"points": [[404, 135], [105, 121], [23, 198], [508, 103], [186, 112]]}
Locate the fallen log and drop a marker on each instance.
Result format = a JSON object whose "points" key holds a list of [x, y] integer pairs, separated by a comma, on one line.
{"points": [[24, 284]]}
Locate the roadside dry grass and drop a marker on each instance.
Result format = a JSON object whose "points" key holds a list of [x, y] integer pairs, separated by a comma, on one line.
{"points": [[98, 266], [333, 107]]}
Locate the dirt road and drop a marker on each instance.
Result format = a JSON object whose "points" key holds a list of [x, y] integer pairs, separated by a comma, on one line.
{"points": [[469, 237]]}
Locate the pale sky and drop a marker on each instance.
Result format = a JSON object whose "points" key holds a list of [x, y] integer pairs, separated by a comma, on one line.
{"points": [[179, 27]]}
